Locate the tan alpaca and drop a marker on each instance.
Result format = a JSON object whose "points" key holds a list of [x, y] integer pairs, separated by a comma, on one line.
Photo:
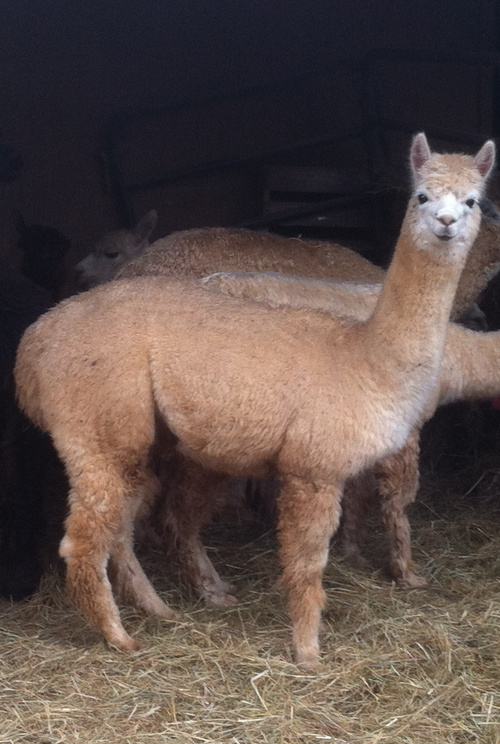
{"points": [[204, 251], [245, 390], [470, 370], [200, 251], [196, 252]]}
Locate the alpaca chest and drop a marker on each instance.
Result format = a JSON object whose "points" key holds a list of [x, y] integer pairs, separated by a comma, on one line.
{"points": [[387, 419], [340, 434]]}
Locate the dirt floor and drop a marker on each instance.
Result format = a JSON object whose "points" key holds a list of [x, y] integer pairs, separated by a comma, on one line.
{"points": [[398, 667]]}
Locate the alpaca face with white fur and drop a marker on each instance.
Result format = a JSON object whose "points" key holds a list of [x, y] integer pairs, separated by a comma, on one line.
{"points": [[448, 216], [444, 213]]}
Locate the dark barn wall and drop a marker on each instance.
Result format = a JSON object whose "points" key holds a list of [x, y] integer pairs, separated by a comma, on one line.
{"points": [[67, 66]]}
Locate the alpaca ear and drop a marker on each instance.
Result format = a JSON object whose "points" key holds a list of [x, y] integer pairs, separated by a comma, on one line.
{"points": [[485, 159], [145, 226], [420, 152]]}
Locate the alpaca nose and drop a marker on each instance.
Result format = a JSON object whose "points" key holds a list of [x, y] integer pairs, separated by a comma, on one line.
{"points": [[447, 219], [80, 278]]}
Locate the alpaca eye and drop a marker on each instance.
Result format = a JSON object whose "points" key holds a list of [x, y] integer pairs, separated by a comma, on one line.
{"points": [[112, 254], [470, 203], [422, 198]]}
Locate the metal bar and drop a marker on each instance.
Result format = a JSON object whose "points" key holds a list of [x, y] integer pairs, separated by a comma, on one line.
{"points": [[327, 205], [129, 115], [222, 164], [372, 122]]}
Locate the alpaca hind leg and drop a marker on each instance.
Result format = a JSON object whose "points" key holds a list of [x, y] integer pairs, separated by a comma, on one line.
{"points": [[128, 577], [191, 499], [398, 481], [261, 497], [357, 502], [97, 517], [148, 492], [130, 581], [308, 516]]}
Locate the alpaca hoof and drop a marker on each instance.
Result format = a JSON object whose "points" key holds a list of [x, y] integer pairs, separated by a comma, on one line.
{"points": [[412, 581], [220, 600], [171, 615], [124, 643], [308, 660]]}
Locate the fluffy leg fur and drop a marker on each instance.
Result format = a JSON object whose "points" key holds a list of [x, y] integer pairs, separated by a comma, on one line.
{"points": [[126, 574], [308, 516], [357, 503], [191, 499], [131, 582], [101, 508], [398, 481]]}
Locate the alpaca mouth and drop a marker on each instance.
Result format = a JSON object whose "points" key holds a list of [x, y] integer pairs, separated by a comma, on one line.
{"points": [[445, 232]]}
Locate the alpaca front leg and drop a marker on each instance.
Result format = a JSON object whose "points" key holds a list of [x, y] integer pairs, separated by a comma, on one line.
{"points": [[398, 481], [309, 514]]}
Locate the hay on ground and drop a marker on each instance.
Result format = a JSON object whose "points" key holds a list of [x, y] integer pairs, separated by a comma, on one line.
{"points": [[399, 667]]}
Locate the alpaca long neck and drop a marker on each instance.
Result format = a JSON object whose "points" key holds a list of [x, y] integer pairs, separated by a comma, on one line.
{"points": [[471, 365], [410, 319]]}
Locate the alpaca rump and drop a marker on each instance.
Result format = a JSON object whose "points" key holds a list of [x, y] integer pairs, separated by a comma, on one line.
{"points": [[245, 390], [342, 298]]}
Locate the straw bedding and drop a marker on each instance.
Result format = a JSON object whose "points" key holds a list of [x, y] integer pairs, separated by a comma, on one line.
{"points": [[399, 667]]}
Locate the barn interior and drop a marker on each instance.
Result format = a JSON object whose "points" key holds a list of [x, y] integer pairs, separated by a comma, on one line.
{"points": [[292, 118]]}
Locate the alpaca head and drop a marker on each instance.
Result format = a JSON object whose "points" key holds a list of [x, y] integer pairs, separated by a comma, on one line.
{"points": [[113, 251], [447, 189]]}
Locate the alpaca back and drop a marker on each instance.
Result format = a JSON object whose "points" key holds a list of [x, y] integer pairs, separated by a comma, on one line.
{"points": [[202, 252], [205, 251], [212, 351]]}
